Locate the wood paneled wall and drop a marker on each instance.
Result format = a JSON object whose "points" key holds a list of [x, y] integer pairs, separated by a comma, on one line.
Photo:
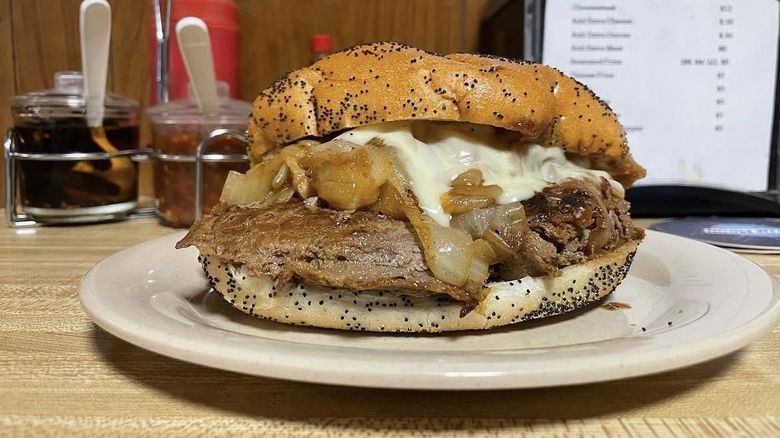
{"points": [[40, 37]]}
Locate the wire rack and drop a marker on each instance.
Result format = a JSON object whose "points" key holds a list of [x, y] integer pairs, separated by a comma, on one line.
{"points": [[17, 214]]}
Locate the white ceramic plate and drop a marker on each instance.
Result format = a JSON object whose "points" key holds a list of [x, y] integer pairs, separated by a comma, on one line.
{"points": [[683, 302]]}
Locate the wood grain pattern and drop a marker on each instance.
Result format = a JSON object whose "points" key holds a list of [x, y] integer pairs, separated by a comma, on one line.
{"points": [[402, 427], [62, 375], [7, 80], [41, 38], [275, 37], [6, 47]]}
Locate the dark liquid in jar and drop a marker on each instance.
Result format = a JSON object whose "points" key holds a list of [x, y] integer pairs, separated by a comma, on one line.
{"points": [[74, 184], [174, 181]]}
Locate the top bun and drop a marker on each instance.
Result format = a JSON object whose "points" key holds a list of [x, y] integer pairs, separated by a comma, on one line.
{"points": [[384, 82]]}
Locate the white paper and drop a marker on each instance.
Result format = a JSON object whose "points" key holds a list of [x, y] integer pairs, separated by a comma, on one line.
{"points": [[693, 81]]}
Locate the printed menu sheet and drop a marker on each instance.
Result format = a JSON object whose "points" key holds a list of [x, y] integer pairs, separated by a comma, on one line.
{"points": [[693, 81]]}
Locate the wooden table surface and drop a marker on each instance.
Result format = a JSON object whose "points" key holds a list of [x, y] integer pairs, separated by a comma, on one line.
{"points": [[61, 375]]}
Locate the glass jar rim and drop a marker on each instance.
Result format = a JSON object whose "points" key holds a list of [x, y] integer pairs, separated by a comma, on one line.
{"points": [[66, 99]]}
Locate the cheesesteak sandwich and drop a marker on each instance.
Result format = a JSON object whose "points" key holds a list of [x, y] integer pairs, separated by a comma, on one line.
{"points": [[393, 189]]}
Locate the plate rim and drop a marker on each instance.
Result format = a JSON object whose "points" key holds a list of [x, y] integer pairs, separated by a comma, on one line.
{"points": [[730, 340]]}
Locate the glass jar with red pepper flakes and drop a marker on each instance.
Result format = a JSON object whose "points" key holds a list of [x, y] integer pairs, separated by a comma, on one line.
{"points": [[178, 127]]}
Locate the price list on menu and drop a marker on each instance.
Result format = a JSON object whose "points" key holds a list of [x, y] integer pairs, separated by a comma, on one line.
{"points": [[693, 81]]}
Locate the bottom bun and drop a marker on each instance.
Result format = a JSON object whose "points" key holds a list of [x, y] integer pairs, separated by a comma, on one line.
{"points": [[507, 302]]}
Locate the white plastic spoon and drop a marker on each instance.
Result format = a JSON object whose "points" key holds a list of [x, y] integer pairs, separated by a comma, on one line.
{"points": [[195, 46], [95, 31], [95, 35]]}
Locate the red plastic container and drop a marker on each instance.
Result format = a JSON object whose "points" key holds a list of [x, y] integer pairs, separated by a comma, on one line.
{"points": [[221, 18]]}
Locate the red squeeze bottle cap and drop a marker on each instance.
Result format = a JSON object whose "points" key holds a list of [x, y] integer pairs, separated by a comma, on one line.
{"points": [[321, 44]]}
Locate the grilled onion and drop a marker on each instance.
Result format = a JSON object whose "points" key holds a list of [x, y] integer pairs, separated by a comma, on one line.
{"points": [[450, 253], [469, 178], [347, 176], [467, 193], [498, 219], [258, 182]]}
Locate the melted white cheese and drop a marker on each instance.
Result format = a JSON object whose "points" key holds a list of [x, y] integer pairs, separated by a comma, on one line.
{"points": [[435, 153]]}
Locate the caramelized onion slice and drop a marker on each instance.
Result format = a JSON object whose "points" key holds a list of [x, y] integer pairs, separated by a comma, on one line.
{"points": [[500, 247], [346, 175], [259, 181], [469, 178], [299, 180], [467, 193], [281, 177], [491, 191], [479, 270], [450, 253], [463, 204], [390, 203], [498, 219]]}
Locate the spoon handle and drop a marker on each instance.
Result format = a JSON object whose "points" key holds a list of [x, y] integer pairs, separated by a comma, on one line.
{"points": [[95, 33], [195, 46]]}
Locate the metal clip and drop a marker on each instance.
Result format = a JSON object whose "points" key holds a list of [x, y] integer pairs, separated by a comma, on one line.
{"points": [[17, 218], [162, 25], [200, 158]]}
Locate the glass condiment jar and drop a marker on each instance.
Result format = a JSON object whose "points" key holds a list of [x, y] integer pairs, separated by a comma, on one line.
{"points": [[178, 127], [63, 175]]}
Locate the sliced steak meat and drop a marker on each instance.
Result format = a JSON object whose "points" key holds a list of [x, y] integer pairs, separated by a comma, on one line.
{"points": [[565, 224], [581, 218], [358, 250]]}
